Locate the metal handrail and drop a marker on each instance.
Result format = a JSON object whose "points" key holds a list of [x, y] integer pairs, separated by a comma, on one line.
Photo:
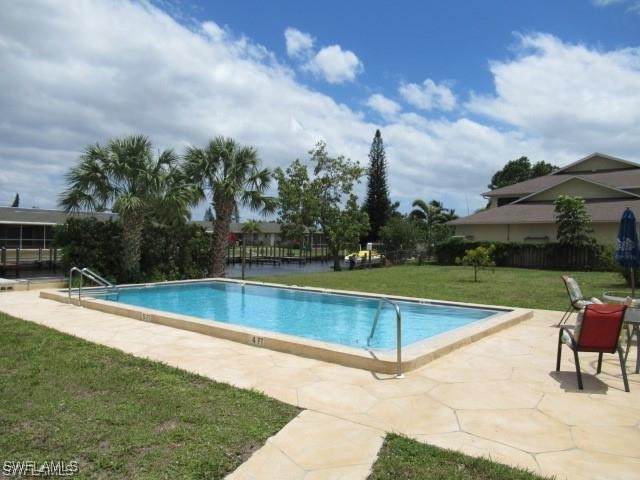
{"points": [[91, 275], [96, 278], [398, 332]]}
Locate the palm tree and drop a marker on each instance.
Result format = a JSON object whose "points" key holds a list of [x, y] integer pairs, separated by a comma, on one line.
{"points": [[434, 217], [123, 176], [229, 175], [432, 213], [251, 227]]}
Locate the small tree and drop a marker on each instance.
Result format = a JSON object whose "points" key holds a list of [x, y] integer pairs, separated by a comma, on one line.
{"points": [[297, 203], [16, 200], [324, 201], [208, 215], [477, 258], [340, 219], [574, 223]]}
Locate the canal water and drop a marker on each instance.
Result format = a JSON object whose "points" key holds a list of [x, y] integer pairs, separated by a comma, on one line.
{"points": [[232, 271], [235, 271]]}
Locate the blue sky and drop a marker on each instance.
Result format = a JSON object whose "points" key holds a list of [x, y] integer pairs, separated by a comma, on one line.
{"points": [[457, 88], [410, 41]]}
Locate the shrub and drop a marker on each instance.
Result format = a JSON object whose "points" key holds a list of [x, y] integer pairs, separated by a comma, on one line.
{"points": [[175, 253], [168, 252], [551, 256], [88, 242], [399, 235]]}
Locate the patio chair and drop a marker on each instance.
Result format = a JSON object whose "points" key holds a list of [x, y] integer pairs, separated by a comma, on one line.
{"points": [[577, 301], [597, 330]]}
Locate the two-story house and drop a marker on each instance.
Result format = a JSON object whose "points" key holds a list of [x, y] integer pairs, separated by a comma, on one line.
{"points": [[524, 212]]}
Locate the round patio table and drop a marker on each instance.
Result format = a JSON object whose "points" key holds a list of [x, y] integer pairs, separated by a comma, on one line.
{"points": [[631, 318]]}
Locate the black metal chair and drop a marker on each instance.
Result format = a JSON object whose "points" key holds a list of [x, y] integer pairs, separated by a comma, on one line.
{"points": [[597, 331]]}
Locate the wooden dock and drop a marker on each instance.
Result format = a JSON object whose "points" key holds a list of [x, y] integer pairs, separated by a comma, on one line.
{"points": [[17, 260]]}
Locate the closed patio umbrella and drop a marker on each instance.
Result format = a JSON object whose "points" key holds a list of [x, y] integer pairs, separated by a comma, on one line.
{"points": [[627, 251]]}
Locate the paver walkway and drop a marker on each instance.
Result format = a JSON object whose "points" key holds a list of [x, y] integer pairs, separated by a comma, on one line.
{"points": [[498, 397]]}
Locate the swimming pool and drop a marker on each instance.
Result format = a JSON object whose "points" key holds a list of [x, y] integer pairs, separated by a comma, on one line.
{"points": [[334, 326], [327, 317]]}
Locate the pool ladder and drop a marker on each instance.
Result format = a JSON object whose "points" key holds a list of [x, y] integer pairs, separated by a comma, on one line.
{"points": [[91, 275], [398, 331]]}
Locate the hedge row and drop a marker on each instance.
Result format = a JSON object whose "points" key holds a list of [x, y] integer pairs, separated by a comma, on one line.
{"points": [[168, 253], [550, 256]]}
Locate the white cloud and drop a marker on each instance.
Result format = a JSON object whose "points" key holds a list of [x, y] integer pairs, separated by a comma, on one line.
{"points": [[569, 95], [213, 30], [299, 44], [606, 3], [335, 65], [429, 95], [73, 74], [383, 105], [633, 6]]}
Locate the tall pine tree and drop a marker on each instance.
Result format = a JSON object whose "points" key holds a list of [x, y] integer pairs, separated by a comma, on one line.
{"points": [[377, 204], [16, 200]]}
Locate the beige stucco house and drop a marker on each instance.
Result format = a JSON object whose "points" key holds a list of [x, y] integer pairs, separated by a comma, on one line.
{"points": [[524, 212]]}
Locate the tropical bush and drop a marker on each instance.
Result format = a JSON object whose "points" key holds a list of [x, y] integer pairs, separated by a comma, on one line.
{"points": [[167, 252], [574, 222], [88, 242], [175, 253], [124, 176], [398, 236]]}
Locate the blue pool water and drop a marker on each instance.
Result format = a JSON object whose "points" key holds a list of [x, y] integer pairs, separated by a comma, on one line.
{"points": [[341, 319]]}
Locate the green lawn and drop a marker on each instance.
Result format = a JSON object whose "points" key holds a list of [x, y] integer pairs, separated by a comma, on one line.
{"points": [[513, 287], [403, 458], [118, 416]]}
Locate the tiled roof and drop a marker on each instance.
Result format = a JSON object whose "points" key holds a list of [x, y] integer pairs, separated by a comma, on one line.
{"points": [[615, 178], [265, 227], [522, 213], [41, 216]]}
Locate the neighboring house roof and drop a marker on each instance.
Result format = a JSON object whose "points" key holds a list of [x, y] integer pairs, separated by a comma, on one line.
{"points": [[265, 227], [628, 177], [39, 216], [605, 191], [523, 213], [615, 163], [605, 182]]}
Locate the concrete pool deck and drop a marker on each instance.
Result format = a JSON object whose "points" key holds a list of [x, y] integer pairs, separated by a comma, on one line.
{"points": [[498, 397]]}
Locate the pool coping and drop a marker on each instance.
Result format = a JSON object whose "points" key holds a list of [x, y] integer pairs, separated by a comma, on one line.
{"points": [[414, 355]]}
